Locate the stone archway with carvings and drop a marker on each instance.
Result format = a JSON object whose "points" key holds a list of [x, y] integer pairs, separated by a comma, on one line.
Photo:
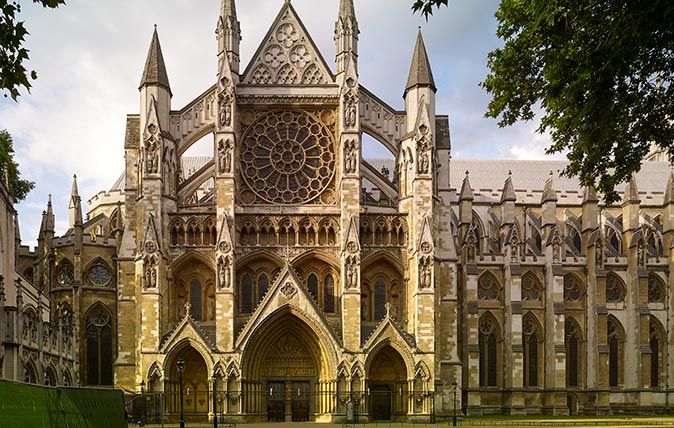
{"points": [[286, 363]]}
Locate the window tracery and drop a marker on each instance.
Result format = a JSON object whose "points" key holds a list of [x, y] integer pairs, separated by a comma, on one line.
{"points": [[488, 343], [66, 275], [488, 288], [288, 157], [572, 344], [531, 288], [99, 347], [572, 289], [615, 290], [656, 289]]}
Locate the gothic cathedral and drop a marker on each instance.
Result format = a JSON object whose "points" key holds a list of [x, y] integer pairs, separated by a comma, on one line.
{"points": [[301, 281]]}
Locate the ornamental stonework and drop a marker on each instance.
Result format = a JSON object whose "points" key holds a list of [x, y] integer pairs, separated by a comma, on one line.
{"points": [[288, 157]]}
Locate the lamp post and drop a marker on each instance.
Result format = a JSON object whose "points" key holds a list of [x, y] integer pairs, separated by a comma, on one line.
{"points": [[181, 366], [215, 404], [143, 403], [454, 387]]}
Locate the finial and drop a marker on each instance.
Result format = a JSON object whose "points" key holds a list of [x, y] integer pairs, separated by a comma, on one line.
{"points": [[466, 172], [510, 172], [49, 200], [286, 255], [155, 27]]}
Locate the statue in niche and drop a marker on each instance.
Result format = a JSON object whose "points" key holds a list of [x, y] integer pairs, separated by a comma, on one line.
{"points": [[350, 109], [363, 308], [351, 274], [350, 156], [598, 254], [224, 273], [642, 257], [225, 103], [151, 148], [224, 156], [423, 150], [150, 276], [425, 274]]}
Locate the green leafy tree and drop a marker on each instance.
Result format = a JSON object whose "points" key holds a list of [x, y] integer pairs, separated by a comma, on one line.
{"points": [[426, 6], [599, 75], [13, 73], [10, 169]]}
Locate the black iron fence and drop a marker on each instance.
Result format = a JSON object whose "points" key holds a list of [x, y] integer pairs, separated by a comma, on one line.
{"points": [[277, 406]]}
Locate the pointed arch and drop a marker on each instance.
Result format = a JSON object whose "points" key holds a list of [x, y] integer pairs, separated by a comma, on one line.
{"points": [[656, 288], [490, 339], [616, 349], [573, 288], [573, 343], [98, 345], [533, 343], [615, 289], [489, 287], [658, 344], [532, 287]]}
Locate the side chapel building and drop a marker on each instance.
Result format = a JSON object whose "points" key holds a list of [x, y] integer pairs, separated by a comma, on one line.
{"points": [[287, 265]]}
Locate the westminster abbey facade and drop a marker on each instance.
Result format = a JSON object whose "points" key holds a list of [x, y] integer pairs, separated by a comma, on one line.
{"points": [[301, 281]]}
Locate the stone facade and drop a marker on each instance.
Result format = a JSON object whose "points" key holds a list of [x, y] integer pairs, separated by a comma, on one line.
{"points": [[289, 265]]}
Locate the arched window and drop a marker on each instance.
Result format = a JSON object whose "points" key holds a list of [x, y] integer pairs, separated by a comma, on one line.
{"points": [[488, 352], [247, 294], [614, 339], [99, 347], [487, 287], [380, 298], [329, 294], [655, 340], [615, 290], [656, 289], [196, 298], [572, 345], [262, 286], [312, 285], [531, 288], [572, 289], [530, 341]]}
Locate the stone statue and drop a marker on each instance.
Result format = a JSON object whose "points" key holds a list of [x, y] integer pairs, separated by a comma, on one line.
{"points": [[350, 109], [224, 156], [350, 156]]}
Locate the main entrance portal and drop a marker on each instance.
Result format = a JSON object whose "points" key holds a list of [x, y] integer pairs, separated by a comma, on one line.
{"points": [[286, 363]]}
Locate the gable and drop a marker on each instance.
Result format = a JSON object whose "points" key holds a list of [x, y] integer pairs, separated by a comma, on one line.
{"points": [[287, 55]]}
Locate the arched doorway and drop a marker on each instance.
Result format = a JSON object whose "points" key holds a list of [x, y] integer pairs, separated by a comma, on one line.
{"points": [[387, 384], [285, 372], [195, 385]]}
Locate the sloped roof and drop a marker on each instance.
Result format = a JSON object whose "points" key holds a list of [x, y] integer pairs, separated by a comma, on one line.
{"points": [[487, 178]]}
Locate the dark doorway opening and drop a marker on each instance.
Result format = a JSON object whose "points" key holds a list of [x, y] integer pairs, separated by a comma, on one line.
{"points": [[381, 402], [276, 404], [300, 401]]}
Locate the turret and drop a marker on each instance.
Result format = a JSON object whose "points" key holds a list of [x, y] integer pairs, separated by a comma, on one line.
{"points": [[75, 205], [155, 84], [508, 199], [346, 36], [228, 33], [420, 85], [549, 203], [631, 203]]}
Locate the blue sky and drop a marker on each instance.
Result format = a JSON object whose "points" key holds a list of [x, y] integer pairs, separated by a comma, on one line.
{"points": [[89, 56]]}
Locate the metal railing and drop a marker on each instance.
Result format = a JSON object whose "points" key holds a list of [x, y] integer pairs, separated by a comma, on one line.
{"points": [[227, 407]]}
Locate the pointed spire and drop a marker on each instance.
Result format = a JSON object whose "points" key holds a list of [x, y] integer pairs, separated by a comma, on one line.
{"points": [[228, 8], [631, 195], [346, 9], [228, 32], [74, 193], [50, 220], [155, 69], [420, 70], [549, 193], [466, 190], [590, 195], [669, 191], [508, 194]]}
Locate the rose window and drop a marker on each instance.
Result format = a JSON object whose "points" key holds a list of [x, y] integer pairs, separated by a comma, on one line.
{"points": [[288, 157]]}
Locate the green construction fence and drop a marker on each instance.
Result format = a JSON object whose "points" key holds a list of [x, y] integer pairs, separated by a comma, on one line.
{"points": [[34, 406]]}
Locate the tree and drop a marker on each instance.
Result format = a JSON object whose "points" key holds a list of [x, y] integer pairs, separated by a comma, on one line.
{"points": [[598, 73], [18, 188], [13, 73], [426, 6]]}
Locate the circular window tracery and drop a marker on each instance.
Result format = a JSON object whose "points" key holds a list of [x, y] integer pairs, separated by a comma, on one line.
{"points": [[66, 275], [99, 275], [288, 157]]}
